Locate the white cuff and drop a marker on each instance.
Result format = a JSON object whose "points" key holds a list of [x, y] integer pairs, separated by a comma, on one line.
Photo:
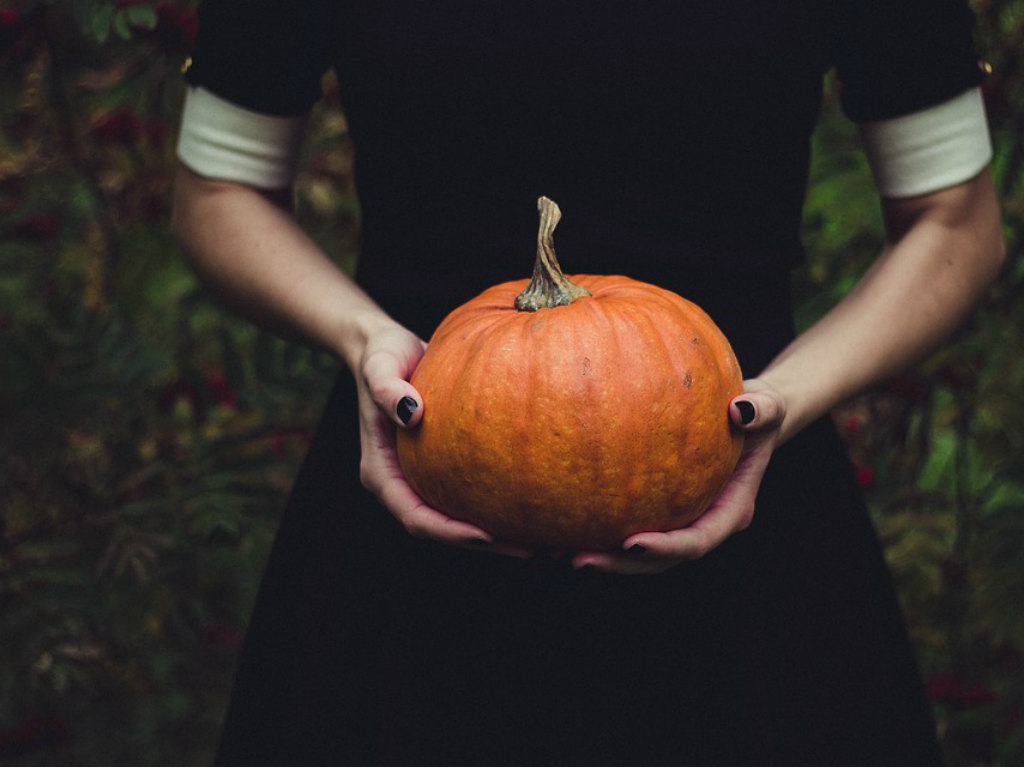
{"points": [[224, 141], [931, 149]]}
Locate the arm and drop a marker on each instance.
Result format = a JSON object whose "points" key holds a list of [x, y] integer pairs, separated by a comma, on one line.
{"points": [[942, 252], [247, 248]]}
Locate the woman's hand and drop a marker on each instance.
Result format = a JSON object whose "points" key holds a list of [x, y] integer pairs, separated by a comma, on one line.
{"points": [[387, 401], [759, 412], [942, 252]]}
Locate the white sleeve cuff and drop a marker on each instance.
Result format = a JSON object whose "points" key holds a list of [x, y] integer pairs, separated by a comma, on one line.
{"points": [[931, 149], [221, 140]]}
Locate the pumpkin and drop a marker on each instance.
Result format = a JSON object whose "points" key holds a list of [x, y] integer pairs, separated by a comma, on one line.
{"points": [[573, 413]]}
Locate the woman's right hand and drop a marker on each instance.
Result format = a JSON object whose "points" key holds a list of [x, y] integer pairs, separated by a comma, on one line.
{"points": [[387, 402]]}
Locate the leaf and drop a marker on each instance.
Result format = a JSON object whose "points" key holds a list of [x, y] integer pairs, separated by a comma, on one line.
{"points": [[141, 16], [231, 359], [121, 26], [100, 21], [938, 474], [217, 520]]}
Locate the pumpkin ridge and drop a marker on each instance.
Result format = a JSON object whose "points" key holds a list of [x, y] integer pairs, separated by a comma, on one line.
{"points": [[596, 460], [668, 432]]}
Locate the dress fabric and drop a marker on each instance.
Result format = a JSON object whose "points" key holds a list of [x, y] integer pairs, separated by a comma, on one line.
{"points": [[675, 138]]}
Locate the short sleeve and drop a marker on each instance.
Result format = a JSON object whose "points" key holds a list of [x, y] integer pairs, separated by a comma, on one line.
{"points": [[267, 56], [930, 149], [894, 57]]}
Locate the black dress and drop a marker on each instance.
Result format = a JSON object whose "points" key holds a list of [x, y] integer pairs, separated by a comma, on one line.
{"points": [[675, 137]]}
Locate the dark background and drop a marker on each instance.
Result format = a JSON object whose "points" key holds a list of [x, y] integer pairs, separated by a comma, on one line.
{"points": [[147, 439]]}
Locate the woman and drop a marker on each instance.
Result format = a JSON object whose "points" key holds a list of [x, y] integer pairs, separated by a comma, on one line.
{"points": [[676, 141]]}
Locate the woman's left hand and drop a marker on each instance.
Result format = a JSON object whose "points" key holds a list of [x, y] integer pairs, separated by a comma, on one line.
{"points": [[759, 413]]}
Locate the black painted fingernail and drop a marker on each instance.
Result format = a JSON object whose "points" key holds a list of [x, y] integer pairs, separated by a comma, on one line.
{"points": [[406, 407], [638, 549], [479, 543], [747, 411]]}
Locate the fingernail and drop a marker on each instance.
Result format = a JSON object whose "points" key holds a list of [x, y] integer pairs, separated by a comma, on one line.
{"points": [[638, 549], [406, 407], [479, 543], [747, 411]]}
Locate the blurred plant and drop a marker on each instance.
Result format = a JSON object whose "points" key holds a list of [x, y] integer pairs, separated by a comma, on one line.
{"points": [[146, 440]]}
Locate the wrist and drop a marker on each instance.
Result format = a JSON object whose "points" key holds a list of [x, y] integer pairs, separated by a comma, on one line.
{"points": [[357, 328], [799, 404]]}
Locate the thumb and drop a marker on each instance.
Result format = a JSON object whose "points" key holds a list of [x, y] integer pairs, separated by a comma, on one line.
{"points": [[409, 409], [398, 400], [757, 410], [390, 392]]}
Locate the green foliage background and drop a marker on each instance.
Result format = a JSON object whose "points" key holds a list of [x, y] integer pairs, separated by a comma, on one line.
{"points": [[147, 439]]}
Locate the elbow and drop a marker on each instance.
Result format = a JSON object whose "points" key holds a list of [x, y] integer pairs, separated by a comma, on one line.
{"points": [[984, 251], [987, 215], [992, 245]]}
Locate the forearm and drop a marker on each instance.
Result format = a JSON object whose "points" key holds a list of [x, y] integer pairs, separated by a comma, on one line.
{"points": [[248, 249], [943, 253]]}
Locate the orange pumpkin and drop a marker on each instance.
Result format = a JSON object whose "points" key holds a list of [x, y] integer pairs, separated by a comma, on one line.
{"points": [[573, 413]]}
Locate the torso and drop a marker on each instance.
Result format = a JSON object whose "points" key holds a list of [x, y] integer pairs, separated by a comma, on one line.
{"points": [[664, 136]]}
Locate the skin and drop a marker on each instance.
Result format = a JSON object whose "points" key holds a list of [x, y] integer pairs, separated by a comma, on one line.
{"points": [[943, 251]]}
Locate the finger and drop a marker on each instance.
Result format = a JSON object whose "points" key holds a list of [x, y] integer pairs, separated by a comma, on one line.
{"points": [[754, 411], [623, 563], [731, 513], [650, 553], [654, 552], [390, 392], [423, 521]]}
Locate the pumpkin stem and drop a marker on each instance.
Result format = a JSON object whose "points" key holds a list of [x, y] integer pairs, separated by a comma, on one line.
{"points": [[549, 287]]}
